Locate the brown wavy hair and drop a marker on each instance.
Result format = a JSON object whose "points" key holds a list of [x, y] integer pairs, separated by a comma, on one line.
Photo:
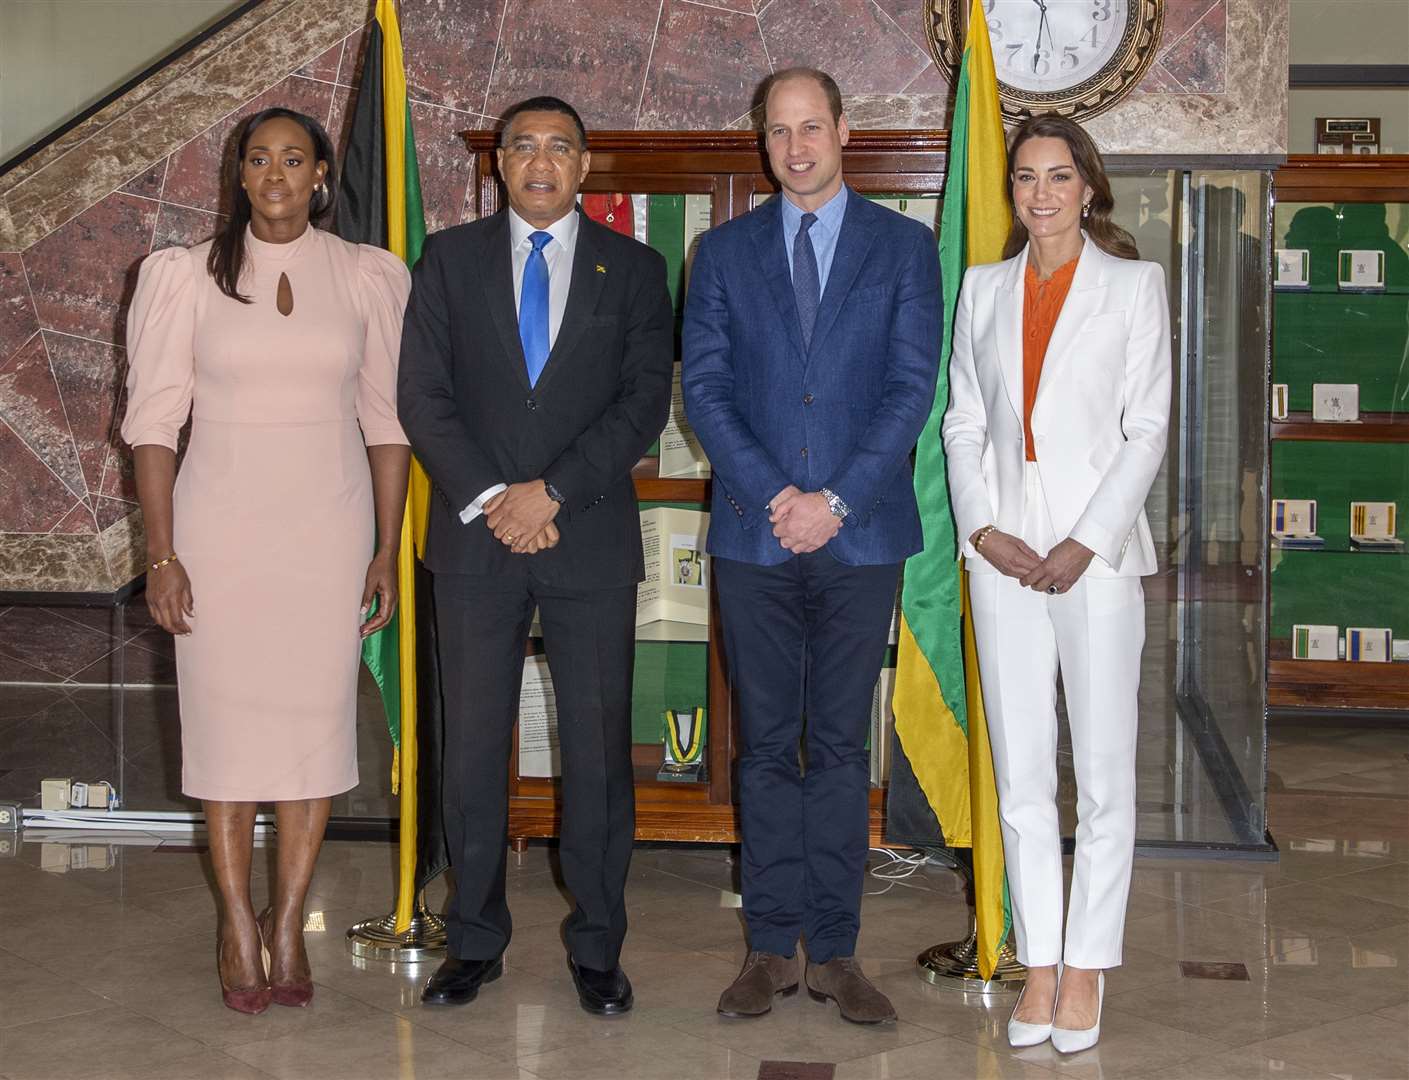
{"points": [[1104, 233]]}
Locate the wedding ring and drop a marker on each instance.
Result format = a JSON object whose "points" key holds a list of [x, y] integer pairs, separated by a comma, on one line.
{"points": [[509, 538], [1052, 590]]}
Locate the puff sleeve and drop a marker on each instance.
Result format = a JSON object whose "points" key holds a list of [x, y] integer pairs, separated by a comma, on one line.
{"points": [[384, 284], [161, 371]]}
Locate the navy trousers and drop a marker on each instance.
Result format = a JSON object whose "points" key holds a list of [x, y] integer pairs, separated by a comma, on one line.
{"points": [[805, 641]]}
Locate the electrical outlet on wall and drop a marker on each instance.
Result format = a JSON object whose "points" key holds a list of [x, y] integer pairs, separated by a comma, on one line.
{"points": [[10, 816]]}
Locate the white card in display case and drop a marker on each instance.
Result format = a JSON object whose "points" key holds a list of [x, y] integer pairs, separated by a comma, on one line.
{"points": [[1360, 270], [1335, 403], [1293, 269]]}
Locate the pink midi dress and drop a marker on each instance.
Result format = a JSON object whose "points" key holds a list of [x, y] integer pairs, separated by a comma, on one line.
{"points": [[273, 509]]}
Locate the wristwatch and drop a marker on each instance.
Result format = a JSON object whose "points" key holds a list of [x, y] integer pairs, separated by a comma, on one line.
{"points": [[554, 493], [835, 503]]}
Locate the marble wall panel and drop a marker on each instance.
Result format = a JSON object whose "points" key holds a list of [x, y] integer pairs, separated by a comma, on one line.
{"points": [[354, 55], [1198, 61], [50, 642], [445, 166], [18, 323], [144, 663], [166, 111], [195, 175], [32, 407], [60, 732], [324, 66], [592, 53], [1248, 117], [124, 549], [79, 520], [182, 226], [929, 81], [33, 499], [89, 377], [854, 41], [56, 562], [81, 275], [119, 469], [340, 118], [453, 51], [1181, 15], [109, 512], [148, 182], [705, 68], [1158, 81]]}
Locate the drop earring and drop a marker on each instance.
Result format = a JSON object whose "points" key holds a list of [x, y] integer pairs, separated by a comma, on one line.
{"points": [[1085, 211]]}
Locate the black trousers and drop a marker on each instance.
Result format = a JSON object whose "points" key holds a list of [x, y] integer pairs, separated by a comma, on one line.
{"points": [[589, 638], [805, 640]]}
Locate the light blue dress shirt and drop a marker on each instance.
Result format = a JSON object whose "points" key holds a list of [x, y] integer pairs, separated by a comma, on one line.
{"points": [[824, 231]]}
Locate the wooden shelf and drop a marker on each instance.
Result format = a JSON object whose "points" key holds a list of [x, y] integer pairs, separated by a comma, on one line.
{"points": [[1372, 427], [1343, 178], [651, 487], [664, 811], [1334, 684]]}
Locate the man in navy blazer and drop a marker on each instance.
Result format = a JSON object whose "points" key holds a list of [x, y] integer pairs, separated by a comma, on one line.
{"points": [[811, 347]]}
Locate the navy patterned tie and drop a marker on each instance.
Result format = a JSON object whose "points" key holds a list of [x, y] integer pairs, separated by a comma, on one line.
{"points": [[807, 285]]}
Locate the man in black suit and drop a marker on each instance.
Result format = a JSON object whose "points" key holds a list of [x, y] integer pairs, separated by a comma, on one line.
{"points": [[535, 371]]}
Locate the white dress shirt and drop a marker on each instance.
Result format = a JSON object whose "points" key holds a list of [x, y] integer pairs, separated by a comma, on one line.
{"points": [[558, 254]]}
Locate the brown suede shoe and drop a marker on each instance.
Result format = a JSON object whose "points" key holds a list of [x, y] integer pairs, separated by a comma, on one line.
{"points": [[763, 976], [840, 980]]}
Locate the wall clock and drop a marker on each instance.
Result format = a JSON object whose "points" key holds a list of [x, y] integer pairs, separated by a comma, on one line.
{"points": [[1072, 57]]}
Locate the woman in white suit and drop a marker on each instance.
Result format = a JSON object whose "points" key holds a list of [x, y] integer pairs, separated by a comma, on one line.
{"points": [[1056, 427]]}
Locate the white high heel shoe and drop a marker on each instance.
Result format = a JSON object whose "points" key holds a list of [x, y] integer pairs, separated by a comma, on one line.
{"points": [[1022, 1034], [1071, 1041]]}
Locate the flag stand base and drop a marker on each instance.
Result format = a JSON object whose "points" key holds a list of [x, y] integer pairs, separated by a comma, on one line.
{"points": [[953, 965], [377, 939]]}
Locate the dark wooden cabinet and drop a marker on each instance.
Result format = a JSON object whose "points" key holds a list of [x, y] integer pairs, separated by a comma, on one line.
{"points": [[730, 168], [1321, 334]]}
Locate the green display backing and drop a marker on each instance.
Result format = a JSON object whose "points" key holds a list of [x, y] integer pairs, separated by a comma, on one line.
{"points": [[1337, 586], [1327, 336], [669, 674]]}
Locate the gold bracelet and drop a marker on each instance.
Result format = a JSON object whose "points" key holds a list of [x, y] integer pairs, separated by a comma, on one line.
{"points": [[983, 535], [162, 562]]}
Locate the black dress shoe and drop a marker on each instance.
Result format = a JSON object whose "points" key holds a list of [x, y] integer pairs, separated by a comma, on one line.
{"points": [[457, 982], [605, 993]]}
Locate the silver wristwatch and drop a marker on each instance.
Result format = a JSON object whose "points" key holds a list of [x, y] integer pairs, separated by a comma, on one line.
{"points": [[835, 504]]}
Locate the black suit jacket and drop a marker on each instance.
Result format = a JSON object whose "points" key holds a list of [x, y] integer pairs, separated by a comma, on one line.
{"points": [[473, 420]]}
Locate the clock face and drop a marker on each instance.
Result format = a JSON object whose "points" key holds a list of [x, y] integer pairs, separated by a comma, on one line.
{"points": [[1074, 57], [1052, 45]]}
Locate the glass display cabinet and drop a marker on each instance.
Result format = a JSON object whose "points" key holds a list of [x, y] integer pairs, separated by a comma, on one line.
{"points": [[1339, 581]]}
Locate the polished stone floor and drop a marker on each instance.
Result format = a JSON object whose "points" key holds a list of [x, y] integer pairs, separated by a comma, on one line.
{"points": [[107, 963]]}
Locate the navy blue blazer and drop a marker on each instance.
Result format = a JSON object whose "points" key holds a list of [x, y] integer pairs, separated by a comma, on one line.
{"points": [[844, 413]]}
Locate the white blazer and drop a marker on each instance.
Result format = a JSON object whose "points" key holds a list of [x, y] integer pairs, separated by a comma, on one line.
{"points": [[1101, 418]]}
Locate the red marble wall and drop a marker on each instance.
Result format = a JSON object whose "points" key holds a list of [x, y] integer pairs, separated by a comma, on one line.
{"points": [[658, 64]]}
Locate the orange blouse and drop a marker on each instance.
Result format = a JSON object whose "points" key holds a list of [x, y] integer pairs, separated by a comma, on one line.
{"points": [[1042, 303]]}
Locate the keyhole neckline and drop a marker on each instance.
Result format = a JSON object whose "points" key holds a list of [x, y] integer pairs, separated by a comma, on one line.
{"points": [[284, 295]]}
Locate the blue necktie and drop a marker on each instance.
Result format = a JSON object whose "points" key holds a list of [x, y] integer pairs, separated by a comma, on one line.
{"points": [[807, 284], [533, 308]]}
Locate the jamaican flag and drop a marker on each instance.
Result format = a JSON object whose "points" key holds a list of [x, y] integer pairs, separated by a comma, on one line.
{"points": [[379, 203], [939, 718]]}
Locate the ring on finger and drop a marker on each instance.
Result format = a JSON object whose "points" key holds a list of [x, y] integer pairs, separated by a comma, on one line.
{"points": [[1052, 590]]}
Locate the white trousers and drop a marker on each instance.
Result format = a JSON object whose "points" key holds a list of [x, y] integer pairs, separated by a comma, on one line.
{"points": [[1093, 633]]}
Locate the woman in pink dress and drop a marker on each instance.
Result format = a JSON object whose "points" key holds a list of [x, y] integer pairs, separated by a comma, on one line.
{"points": [[267, 551]]}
